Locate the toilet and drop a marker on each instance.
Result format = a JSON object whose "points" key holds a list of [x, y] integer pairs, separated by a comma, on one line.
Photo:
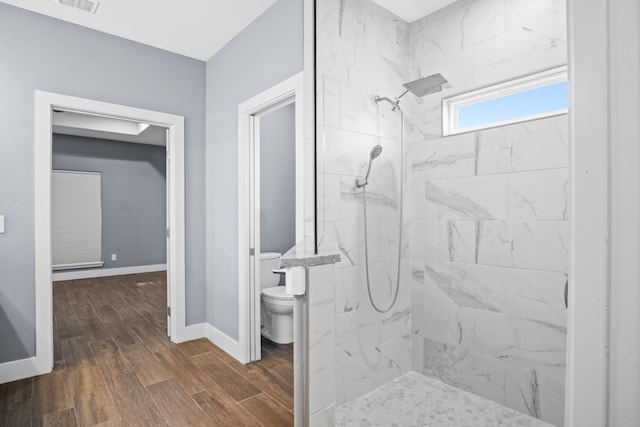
{"points": [[276, 308]]}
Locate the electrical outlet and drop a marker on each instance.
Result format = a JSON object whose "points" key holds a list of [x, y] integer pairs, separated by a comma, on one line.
{"points": [[114, 257]]}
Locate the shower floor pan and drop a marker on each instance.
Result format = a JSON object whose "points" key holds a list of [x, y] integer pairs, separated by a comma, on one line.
{"points": [[416, 400]]}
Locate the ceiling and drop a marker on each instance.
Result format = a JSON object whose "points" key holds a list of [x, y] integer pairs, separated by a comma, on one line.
{"points": [[412, 10], [114, 129], [193, 28]]}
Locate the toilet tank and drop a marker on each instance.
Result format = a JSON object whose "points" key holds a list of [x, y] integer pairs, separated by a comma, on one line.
{"points": [[269, 261]]}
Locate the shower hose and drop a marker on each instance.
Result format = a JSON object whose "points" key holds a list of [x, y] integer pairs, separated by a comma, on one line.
{"points": [[366, 237]]}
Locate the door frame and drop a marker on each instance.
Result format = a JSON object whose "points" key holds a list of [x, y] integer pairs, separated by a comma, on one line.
{"points": [[284, 93], [44, 104], [603, 349]]}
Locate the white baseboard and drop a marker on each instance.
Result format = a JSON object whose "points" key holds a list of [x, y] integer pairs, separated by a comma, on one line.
{"points": [[18, 369], [229, 345], [105, 272], [190, 333]]}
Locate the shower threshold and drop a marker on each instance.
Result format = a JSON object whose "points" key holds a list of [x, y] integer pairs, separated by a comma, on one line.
{"points": [[417, 400]]}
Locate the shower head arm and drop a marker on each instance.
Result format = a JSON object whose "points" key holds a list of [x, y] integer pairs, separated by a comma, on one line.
{"points": [[403, 94], [395, 105]]}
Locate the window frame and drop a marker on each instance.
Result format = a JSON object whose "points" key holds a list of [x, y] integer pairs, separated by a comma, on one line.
{"points": [[451, 106]]}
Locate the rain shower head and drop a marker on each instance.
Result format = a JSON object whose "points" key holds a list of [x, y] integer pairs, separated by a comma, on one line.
{"points": [[427, 85]]}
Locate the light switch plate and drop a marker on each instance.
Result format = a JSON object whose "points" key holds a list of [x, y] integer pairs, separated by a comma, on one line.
{"points": [[1, 224]]}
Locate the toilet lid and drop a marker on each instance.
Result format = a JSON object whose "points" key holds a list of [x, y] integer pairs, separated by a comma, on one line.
{"points": [[277, 292]]}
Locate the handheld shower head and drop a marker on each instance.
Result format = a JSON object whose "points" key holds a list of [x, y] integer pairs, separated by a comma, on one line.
{"points": [[373, 154]]}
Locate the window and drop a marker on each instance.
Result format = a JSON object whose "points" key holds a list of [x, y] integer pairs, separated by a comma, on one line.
{"points": [[535, 96], [76, 219]]}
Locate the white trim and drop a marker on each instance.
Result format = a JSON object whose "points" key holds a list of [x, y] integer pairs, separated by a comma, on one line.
{"points": [[192, 332], [587, 335], [18, 369], [624, 322], [106, 272], [44, 103], [451, 105], [286, 92], [77, 265], [229, 345]]}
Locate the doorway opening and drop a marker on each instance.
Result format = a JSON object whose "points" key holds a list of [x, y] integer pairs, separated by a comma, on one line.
{"points": [[49, 104], [271, 105]]}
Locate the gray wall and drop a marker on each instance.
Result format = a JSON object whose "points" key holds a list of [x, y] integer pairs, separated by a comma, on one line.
{"points": [[278, 180], [264, 54], [41, 53], [133, 195]]}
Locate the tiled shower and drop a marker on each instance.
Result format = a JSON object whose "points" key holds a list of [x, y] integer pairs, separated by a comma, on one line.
{"points": [[485, 231]]}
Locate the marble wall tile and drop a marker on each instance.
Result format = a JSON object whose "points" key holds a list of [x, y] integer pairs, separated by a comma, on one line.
{"points": [[324, 418], [358, 112], [450, 240], [523, 12], [495, 150], [482, 21], [537, 295], [538, 394], [418, 239], [391, 34], [494, 243], [432, 114], [540, 144], [521, 50], [396, 359], [470, 371], [336, 58], [449, 157], [418, 204], [442, 322], [328, 15], [467, 198], [540, 245], [330, 103], [349, 281], [321, 337], [346, 152], [414, 125], [357, 373], [417, 353], [467, 285], [329, 197], [347, 238], [418, 288], [533, 145], [350, 338], [532, 343], [397, 322], [539, 194], [442, 48]]}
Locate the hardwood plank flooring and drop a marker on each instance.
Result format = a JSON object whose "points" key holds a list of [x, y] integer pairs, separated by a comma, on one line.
{"points": [[114, 365]]}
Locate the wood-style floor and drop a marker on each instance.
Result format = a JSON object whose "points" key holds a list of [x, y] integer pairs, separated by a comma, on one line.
{"points": [[115, 366]]}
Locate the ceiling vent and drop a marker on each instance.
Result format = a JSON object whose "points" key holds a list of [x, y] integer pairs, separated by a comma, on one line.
{"points": [[89, 6]]}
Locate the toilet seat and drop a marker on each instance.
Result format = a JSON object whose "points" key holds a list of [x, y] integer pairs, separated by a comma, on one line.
{"points": [[278, 293]]}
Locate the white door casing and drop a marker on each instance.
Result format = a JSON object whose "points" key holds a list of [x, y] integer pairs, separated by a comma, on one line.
{"points": [[284, 93], [45, 101]]}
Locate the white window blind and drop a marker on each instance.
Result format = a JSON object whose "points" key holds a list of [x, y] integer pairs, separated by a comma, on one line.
{"points": [[76, 219]]}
